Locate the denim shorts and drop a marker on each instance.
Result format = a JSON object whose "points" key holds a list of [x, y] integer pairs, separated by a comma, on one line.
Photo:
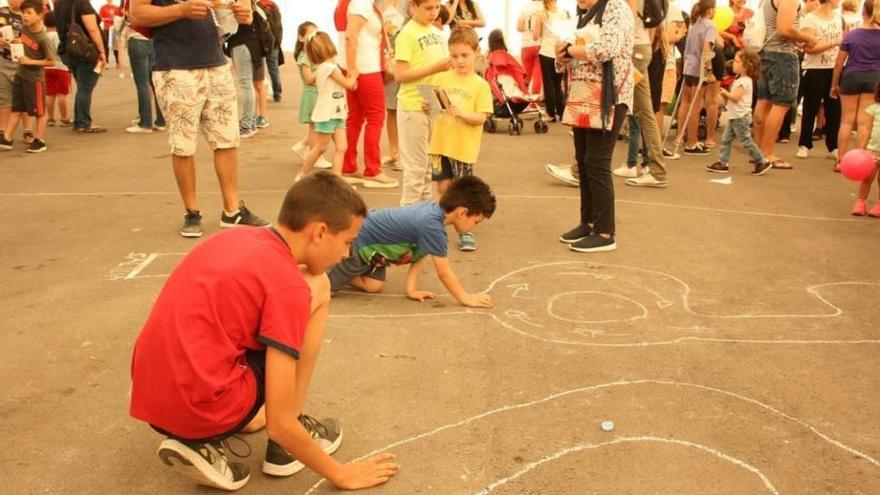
{"points": [[780, 73], [445, 168], [856, 82], [329, 126]]}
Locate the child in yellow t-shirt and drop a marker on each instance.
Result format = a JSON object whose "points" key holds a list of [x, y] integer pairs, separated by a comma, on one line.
{"points": [[419, 54], [455, 142]]}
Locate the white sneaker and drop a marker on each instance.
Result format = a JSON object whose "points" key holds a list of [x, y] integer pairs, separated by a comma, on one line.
{"points": [[300, 149], [562, 174], [136, 129], [646, 180], [380, 181], [323, 163], [802, 152], [629, 172], [833, 154]]}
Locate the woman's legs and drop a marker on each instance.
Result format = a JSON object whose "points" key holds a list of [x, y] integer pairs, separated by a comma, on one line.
{"points": [[710, 101], [367, 103], [244, 70], [86, 80], [139, 58], [813, 94], [548, 73], [690, 97], [849, 105], [532, 64]]}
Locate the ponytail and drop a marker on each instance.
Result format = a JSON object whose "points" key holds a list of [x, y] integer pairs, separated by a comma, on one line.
{"points": [[701, 8]]}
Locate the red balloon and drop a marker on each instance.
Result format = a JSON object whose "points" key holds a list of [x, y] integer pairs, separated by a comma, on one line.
{"points": [[857, 165]]}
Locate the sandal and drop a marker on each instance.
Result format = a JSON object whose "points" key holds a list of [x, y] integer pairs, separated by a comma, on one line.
{"points": [[50, 122], [66, 123], [90, 130], [781, 165]]}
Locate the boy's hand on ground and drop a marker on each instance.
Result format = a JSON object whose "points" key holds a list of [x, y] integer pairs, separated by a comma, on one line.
{"points": [[420, 295], [371, 472], [477, 301]]}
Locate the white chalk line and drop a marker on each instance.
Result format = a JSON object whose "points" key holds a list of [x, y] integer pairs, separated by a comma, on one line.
{"points": [[621, 383], [501, 196], [621, 440], [145, 263], [555, 297]]}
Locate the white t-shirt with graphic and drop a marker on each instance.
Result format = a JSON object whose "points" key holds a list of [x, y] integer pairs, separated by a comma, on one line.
{"points": [[743, 107], [331, 103], [824, 30]]}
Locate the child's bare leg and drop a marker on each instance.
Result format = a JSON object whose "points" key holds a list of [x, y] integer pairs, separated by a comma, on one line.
{"points": [[442, 185], [321, 142], [40, 131], [62, 107], [11, 125], [50, 106], [367, 284], [710, 99], [341, 141], [865, 185], [311, 347]]}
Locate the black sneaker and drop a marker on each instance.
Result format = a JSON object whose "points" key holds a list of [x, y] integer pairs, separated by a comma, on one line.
{"points": [[576, 234], [37, 146], [594, 243], [698, 149], [243, 217], [327, 433], [762, 168], [192, 224], [718, 168], [5, 144], [205, 463]]}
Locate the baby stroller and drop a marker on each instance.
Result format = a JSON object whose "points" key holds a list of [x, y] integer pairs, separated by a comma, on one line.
{"points": [[506, 78]]}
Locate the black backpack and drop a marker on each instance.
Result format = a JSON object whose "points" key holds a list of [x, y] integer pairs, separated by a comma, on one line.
{"points": [[653, 12], [263, 31]]}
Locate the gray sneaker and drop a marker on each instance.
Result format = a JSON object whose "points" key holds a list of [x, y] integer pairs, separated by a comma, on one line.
{"points": [[242, 217], [192, 224], [327, 433], [467, 242], [205, 463]]}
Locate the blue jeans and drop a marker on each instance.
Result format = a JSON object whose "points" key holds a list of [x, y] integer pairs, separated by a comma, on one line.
{"points": [[274, 73], [635, 140], [741, 129], [86, 80], [140, 53], [244, 70]]}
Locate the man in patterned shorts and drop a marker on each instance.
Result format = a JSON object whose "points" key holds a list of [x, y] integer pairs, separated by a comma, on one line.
{"points": [[196, 90]]}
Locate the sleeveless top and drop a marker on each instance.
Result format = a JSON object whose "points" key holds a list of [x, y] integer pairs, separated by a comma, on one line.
{"points": [[775, 42]]}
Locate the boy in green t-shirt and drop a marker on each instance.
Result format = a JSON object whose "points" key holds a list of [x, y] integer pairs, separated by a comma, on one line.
{"points": [[455, 142]]}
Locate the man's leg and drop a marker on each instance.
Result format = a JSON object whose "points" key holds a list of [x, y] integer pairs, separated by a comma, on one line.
{"points": [[643, 109], [185, 175], [226, 167]]}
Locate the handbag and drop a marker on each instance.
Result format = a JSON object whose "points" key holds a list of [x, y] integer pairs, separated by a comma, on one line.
{"points": [[583, 108], [79, 46]]}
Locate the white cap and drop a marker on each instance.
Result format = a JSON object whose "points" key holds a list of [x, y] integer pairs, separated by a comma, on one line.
{"points": [[674, 14]]}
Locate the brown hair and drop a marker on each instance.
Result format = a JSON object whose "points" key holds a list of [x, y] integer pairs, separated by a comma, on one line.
{"points": [[496, 40], [472, 193], [300, 32], [464, 36], [443, 15], [871, 10], [321, 197], [751, 63], [320, 48], [35, 5], [701, 8], [848, 5]]}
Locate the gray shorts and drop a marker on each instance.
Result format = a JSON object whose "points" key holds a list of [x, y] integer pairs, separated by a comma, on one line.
{"points": [[7, 74], [391, 90], [353, 266], [857, 82]]}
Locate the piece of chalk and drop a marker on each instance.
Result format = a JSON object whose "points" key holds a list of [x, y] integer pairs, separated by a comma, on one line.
{"points": [[607, 425]]}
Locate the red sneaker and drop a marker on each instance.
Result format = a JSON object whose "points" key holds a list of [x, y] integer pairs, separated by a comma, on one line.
{"points": [[860, 209], [875, 210]]}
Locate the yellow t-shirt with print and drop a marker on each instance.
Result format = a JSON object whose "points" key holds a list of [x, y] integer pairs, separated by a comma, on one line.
{"points": [[452, 137], [419, 46]]}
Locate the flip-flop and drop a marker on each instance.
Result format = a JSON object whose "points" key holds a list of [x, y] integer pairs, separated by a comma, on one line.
{"points": [[781, 165], [91, 130]]}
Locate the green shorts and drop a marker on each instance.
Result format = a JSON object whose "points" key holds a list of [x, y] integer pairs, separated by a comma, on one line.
{"points": [[329, 126]]}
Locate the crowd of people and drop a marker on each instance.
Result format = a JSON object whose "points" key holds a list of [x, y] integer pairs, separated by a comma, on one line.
{"points": [[232, 341]]}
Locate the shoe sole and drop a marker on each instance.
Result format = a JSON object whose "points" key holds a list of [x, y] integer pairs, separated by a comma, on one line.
{"points": [[297, 466], [570, 241], [190, 464], [37, 151], [600, 249], [190, 234], [717, 171], [5, 147], [659, 185], [762, 172], [467, 249], [323, 166]]}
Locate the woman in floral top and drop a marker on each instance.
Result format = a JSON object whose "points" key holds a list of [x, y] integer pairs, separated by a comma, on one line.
{"points": [[605, 35]]}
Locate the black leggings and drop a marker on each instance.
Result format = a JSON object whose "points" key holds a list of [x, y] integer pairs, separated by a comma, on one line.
{"points": [[554, 97], [817, 86], [593, 151]]}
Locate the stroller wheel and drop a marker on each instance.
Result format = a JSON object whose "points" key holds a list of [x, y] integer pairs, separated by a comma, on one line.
{"points": [[541, 127], [489, 125], [516, 127]]}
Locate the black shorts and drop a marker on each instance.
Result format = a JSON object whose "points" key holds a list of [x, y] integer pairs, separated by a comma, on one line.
{"points": [[691, 81], [445, 168], [859, 81], [353, 266], [257, 362], [29, 97], [719, 65]]}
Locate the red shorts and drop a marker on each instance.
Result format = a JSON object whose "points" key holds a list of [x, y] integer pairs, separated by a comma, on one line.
{"points": [[57, 82]]}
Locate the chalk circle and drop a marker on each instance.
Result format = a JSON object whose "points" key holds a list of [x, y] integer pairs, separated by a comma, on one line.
{"points": [[586, 306]]}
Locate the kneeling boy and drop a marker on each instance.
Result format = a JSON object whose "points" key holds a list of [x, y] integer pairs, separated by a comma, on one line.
{"points": [[409, 235], [231, 344]]}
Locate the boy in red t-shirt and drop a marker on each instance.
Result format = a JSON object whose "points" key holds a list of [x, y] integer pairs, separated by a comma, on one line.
{"points": [[231, 344]]}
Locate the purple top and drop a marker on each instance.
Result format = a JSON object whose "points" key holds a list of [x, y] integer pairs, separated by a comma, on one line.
{"points": [[699, 33], [862, 47]]}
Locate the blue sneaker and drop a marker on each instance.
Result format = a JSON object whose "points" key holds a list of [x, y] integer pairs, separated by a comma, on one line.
{"points": [[261, 122], [467, 242]]}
